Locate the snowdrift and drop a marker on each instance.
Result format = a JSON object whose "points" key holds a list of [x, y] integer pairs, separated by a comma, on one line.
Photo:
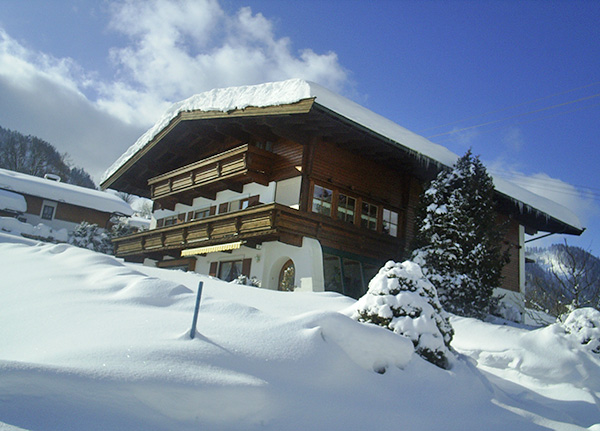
{"points": [[88, 342]]}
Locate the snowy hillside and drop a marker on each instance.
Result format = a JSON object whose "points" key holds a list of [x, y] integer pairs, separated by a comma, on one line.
{"points": [[90, 343]]}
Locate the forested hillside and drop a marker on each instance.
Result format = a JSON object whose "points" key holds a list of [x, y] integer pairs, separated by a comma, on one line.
{"points": [[34, 156], [561, 275]]}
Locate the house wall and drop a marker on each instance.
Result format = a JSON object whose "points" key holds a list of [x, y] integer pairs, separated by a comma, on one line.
{"points": [[341, 168], [268, 260], [511, 272], [66, 216]]}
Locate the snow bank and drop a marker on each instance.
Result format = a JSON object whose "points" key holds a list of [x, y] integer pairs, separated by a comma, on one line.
{"points": [[544, 365], [42, 231], [89, 342], [62, 192]]}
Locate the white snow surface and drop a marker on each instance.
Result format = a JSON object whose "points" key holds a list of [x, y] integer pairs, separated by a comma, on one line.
{"points": [[295, 90], [91, 343], [12, 201], [62, 192], [40, 231]]}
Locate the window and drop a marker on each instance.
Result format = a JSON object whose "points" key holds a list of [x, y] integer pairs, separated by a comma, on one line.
{"points": [[345, 208], [390, 222], [170, 221], [287, 277], [368, 216], [349, 276], [200, 214], [322, 200], [267, 146], [48, 212], [231, 270]]}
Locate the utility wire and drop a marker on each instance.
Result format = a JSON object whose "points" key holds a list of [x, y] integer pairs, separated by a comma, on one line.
{"points": [[511, 107], [516, 116], [551, 185], [525, 122]]}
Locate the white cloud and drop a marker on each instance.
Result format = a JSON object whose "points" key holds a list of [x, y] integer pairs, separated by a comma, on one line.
{"points": [[176, 48], [179, 48], [514, 139]]}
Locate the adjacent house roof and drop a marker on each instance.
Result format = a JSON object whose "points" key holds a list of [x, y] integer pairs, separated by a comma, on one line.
{"points": [[53, 190], [559, 218], [10, 201]]}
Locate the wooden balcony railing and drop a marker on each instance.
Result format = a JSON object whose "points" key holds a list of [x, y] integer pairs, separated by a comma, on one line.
{"points": [[235, 167], [267, 222]]}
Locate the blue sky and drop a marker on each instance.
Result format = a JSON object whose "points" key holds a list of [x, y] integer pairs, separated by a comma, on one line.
{"points": [[518, 82]]}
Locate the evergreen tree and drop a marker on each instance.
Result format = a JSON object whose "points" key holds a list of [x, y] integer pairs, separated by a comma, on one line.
{"points": [[459, 242], [402, 300]]}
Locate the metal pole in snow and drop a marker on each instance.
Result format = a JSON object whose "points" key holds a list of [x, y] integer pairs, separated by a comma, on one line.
{"points": [[196, 309]]}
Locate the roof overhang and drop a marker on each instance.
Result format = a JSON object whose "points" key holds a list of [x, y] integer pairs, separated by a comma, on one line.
{"points": [[174, 140]]}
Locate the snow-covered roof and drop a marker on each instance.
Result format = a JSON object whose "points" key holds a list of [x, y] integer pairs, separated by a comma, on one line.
{"points": [[61, 192], [10, 201], [295, 90]]}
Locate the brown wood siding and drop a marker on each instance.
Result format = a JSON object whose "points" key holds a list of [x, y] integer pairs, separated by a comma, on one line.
{"points": [[34, 205], [290, 158], [354, 173], [510, 272], [77, 214], [68, 212], [413, 194]]}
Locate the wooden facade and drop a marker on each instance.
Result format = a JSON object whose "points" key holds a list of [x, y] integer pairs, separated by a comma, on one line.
{"points": [[68, 212], [358, 191]]}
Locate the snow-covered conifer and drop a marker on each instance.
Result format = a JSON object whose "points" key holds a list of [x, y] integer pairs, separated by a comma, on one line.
{"points": [[458, 241], [92, 237], [402, 300], [584, 325]]}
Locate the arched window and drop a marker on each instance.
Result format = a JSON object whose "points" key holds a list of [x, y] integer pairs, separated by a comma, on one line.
{"points": [[287, 276]]}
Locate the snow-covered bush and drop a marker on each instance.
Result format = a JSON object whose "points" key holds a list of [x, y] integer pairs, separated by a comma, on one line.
{"points": [[584, 325], [459, 242], [402, 300], [92, 237], [247, 281]]}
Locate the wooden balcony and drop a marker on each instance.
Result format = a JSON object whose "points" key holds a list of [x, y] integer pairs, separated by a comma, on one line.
{"points": [[268, 222], [228, 170]]}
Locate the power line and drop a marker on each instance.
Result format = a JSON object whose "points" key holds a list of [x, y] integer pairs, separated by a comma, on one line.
{"points": [[511, 107], [516, 116], [550, 185], [528, 121]]}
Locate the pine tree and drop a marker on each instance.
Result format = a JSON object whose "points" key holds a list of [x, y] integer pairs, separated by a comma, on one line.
{"points": [[459, 242], [402, 300]]}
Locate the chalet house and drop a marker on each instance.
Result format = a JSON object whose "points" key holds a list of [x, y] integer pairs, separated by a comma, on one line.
{"points": [[296, 186], [58, 205]]}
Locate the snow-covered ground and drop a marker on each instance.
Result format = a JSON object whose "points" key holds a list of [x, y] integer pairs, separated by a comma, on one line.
{"points": [[88, 342]]}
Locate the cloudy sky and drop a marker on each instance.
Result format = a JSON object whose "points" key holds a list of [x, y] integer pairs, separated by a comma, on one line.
{"points": [[518, 82]]}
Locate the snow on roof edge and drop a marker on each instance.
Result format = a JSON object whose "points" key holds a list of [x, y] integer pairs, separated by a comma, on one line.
{"points": [[62, 192], [538, 203], [295, 90]]}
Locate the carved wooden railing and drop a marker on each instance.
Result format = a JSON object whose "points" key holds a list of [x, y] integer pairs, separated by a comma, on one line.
{"points": [[243, 164], [265, 222]]}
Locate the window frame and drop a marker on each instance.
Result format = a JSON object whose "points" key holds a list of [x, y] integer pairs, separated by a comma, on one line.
{"points": [[48, 204], [389, 222]]}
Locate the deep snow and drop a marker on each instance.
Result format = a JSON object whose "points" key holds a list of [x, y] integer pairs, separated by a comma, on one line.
{"points": [[90, 343]]}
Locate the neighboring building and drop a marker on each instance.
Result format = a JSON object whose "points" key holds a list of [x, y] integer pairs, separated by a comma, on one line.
{"points": [[12, 204], [296, 186], [56, 204]]}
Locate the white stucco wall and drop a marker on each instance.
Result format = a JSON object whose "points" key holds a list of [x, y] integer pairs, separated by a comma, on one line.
{"points": [[269, 258], [288, 192]]}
